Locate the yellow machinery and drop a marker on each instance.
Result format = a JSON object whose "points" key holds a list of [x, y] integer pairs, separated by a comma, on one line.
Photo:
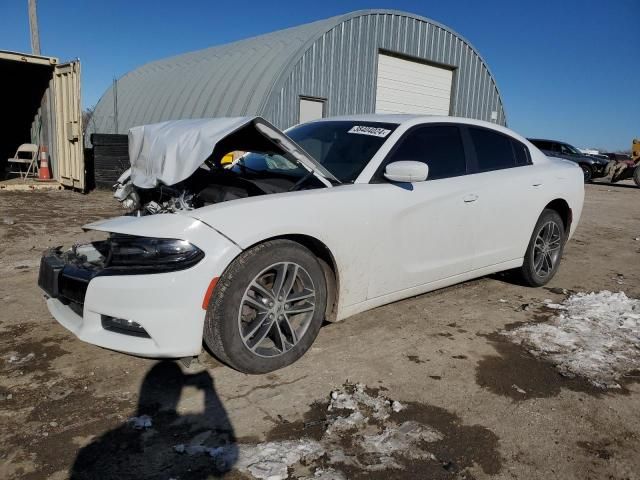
{"points": [[635, 156]]}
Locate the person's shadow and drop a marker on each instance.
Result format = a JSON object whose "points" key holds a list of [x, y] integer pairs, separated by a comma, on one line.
{"points": [[160, 443]]}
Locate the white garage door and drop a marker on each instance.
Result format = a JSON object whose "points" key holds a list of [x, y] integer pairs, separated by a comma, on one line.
{"points": [[405, 86]]}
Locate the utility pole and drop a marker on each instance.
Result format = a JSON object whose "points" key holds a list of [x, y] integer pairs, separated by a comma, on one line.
{"points": [[43, 134], [33, 26]]}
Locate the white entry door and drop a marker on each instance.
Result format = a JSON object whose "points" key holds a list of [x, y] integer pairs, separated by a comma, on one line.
{"points": [[406, 86], [310, 109]]}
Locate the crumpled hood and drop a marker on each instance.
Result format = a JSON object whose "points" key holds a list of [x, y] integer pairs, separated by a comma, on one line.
{"points": [[169, 152]]}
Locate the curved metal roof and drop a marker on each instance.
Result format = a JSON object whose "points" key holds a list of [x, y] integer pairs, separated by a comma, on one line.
{"points": [[235, 79]]}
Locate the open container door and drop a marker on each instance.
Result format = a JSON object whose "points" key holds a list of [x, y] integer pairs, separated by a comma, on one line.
{"points": [[68, 117]]}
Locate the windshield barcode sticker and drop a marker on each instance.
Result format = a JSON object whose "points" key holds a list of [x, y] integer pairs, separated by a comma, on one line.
{"points": [[373, 131]]}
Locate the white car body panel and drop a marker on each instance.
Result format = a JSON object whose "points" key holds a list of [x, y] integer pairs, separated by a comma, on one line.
{"points": [[388, 241], [167, 305]]}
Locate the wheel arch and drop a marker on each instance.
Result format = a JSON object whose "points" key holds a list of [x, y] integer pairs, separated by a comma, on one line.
{"points": [[327, 262], [561, 206]]}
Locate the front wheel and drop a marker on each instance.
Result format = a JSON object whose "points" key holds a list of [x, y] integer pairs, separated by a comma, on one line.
{"points": [[586, 171], [267, 307], [636, 175], [542, 259]]}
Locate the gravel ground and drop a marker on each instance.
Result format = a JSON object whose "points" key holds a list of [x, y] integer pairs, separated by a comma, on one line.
{"points": [[474, 404]]}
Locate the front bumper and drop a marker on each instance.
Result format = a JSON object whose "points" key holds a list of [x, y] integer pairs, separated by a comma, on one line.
{"points": [[168, 306]]}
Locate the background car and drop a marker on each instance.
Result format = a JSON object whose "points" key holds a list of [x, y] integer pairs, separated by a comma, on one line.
{"points": [[592, 167], [334, 218]]}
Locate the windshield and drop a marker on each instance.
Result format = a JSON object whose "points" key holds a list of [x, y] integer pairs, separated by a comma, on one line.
{"points": [[570, 150], [343, 147]]}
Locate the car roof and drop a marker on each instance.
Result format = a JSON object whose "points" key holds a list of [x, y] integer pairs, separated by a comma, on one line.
{"points": [[410, 120], [401, 118]]}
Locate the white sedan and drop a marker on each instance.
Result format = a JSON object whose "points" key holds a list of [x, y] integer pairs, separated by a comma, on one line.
{"points": [[333, 218]]}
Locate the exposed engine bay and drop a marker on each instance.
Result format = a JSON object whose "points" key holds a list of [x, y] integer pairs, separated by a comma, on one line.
{"points": [[206, 187], [178, 165]]}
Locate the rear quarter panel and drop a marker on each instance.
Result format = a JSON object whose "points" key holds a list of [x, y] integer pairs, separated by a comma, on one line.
{"points": [[563, 179]]}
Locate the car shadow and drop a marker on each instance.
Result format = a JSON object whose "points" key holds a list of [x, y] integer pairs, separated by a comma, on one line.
{"points": [[158, 442]]}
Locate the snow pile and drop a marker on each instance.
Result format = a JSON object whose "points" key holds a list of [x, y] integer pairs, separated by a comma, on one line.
{"points": [[360, 431], [354, 398], [326, 474], [140, 423], [224, 456], [271, 460], [16, 360], [400, 439], [376, 438], [595, 335]]}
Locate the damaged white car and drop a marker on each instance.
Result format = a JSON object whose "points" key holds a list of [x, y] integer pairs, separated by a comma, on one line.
{"points": [[333, 218]]}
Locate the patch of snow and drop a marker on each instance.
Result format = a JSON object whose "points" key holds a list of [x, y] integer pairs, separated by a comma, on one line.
{"points": [[271, 460], [223, 456], [555, 306], [16, 360], [365, 420], [594, 335], [401, 438], [346, 400], [140, 423], [341, 424], [326, 474], [518, 389]]}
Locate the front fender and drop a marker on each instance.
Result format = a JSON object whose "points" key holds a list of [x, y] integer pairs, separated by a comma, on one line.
{"points": [[339, 217]]}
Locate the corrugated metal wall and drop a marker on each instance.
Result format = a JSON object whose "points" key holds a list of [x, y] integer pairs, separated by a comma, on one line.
{"points": [[335, 58], [341, 66]]}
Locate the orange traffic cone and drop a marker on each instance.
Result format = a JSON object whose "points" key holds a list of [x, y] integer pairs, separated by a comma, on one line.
{"points": [[43, 172]]}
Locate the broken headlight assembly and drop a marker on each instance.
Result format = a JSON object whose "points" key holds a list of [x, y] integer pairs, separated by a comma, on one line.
{"points": [[132, 254]]}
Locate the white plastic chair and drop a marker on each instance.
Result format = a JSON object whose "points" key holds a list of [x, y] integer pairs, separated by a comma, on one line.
{"points": [[30, 150]]}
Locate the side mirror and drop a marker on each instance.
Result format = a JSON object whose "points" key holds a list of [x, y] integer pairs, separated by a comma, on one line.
{"points": [[406, 171]]}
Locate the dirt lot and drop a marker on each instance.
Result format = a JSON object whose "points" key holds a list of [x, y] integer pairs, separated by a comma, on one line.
{"points": [[492, 410]]}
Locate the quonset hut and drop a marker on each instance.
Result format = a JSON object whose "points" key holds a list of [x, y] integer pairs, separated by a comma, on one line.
{"points": [[366, 61]]}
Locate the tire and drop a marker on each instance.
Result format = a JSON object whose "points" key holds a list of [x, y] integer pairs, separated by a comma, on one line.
{"points": [[250, 281], [532, 273], [587, 172], [636, 175]]}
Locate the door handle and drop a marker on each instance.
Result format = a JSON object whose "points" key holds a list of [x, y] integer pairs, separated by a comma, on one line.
{"points": [[536, 183], [472, 197]]}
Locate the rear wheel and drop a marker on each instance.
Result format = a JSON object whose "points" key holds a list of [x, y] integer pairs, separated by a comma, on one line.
{"points": [[267, 307], [636, 175], [544, 252], [586, 171]]}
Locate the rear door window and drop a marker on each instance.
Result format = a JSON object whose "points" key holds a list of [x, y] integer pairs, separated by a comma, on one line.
{"points": [[439, 146], [494, 151]]}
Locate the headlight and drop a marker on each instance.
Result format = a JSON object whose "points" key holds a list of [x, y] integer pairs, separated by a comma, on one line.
{"points": [[148, 255]]}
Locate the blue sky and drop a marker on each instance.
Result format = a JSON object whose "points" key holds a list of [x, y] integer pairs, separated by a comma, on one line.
{"points": [[567, 69]]}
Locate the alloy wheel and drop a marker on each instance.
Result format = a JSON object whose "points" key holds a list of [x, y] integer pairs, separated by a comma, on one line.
{"points": [[546, 250], [276, 309]]}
